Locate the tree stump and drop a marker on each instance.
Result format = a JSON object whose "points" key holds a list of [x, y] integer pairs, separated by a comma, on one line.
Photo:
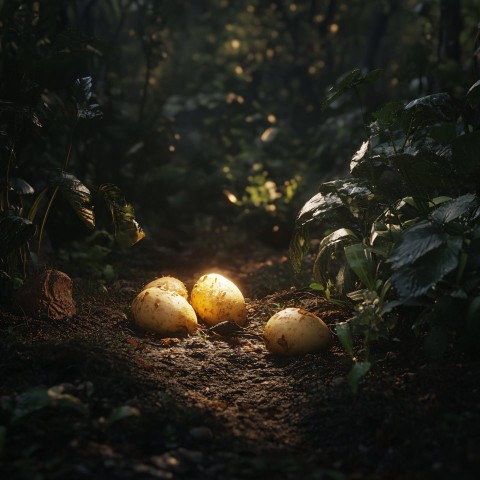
{"points": [[49, 294]]}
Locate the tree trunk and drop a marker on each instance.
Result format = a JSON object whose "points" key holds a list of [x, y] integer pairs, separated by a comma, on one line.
{"points": [[449, 34], [378, 27]]}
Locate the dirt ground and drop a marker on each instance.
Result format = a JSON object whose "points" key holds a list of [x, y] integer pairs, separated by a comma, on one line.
{"points": [[122, 404]]}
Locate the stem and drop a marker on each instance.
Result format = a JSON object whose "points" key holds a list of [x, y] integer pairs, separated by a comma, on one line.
{"points": [[7, 179], [359, 98], [55, 191], [44, 219], [143, 100]]}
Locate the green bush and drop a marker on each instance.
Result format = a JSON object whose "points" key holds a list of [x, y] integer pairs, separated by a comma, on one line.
{"points": [[403, 230]]}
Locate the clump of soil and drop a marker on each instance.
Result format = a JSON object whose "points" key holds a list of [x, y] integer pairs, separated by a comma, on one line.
{"points": [[132, 405]]}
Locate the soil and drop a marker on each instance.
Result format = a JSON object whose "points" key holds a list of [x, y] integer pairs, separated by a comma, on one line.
{"points": [[92, 397]]}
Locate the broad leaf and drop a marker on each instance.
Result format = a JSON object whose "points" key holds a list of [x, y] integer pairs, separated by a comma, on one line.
{"points": [[344, 334], [83, 94], [19, 186], [318, 206], [299, 246], [127, 230], [424, 172], [77, 195], [373, 75], [425, 111], [473, 95], [386, 115], [357, 372], [15, 232], [345, 83], [416, 242], [359, 155], [348, 189], [419, 277], [451, 210], [360, 261], [330, 265]]}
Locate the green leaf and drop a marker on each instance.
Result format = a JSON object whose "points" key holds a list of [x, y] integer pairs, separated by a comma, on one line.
{"points": [[126, 229], [373, 75], [473, 95], [40, 398], [82, 94], [299, 247], [317, 207], [423, 172], [453, 209], [416, 242], [357, 372], [344, 84], [360, 261], [344, 334], [416, 279], [387, 114], [76, 194], [18, 185], [15, 232], [120, 413], [330, 264], [425, 111]]}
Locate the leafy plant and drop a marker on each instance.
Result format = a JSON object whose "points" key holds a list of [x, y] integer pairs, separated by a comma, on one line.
{"points": [[35, 100], [403, 229]]}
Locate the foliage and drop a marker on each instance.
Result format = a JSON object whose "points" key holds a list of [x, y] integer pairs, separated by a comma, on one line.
{"points": [[403, 229], [31, 104]]}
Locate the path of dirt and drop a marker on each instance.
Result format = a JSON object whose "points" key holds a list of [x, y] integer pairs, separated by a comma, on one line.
{"points": [[223, 408]]}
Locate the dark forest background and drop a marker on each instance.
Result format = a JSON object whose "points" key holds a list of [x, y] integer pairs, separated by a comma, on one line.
{"points": [[210, 112]]}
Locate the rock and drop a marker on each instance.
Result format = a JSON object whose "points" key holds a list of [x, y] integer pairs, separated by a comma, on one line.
{"points": [[49, 294]]}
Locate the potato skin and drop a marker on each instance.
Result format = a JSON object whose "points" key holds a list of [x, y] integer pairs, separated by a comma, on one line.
{"points": [[294, 331], [164, 312], [171, 284], [216, 299]]}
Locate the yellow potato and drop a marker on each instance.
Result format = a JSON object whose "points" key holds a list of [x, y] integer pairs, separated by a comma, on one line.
{"points": [[217, 299], [171, 284], [294, 331], [164, 312]]}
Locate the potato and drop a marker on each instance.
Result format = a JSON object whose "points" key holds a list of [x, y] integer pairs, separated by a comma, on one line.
{"points": [[294, 331], [171, 284], [164, 312], [217, 299]]}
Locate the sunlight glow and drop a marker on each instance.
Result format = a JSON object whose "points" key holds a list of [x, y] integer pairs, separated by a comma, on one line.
{"points": [[230, 196], [238, 70], [272, 118], [333, 28], [235, 44], [266, 134]]}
